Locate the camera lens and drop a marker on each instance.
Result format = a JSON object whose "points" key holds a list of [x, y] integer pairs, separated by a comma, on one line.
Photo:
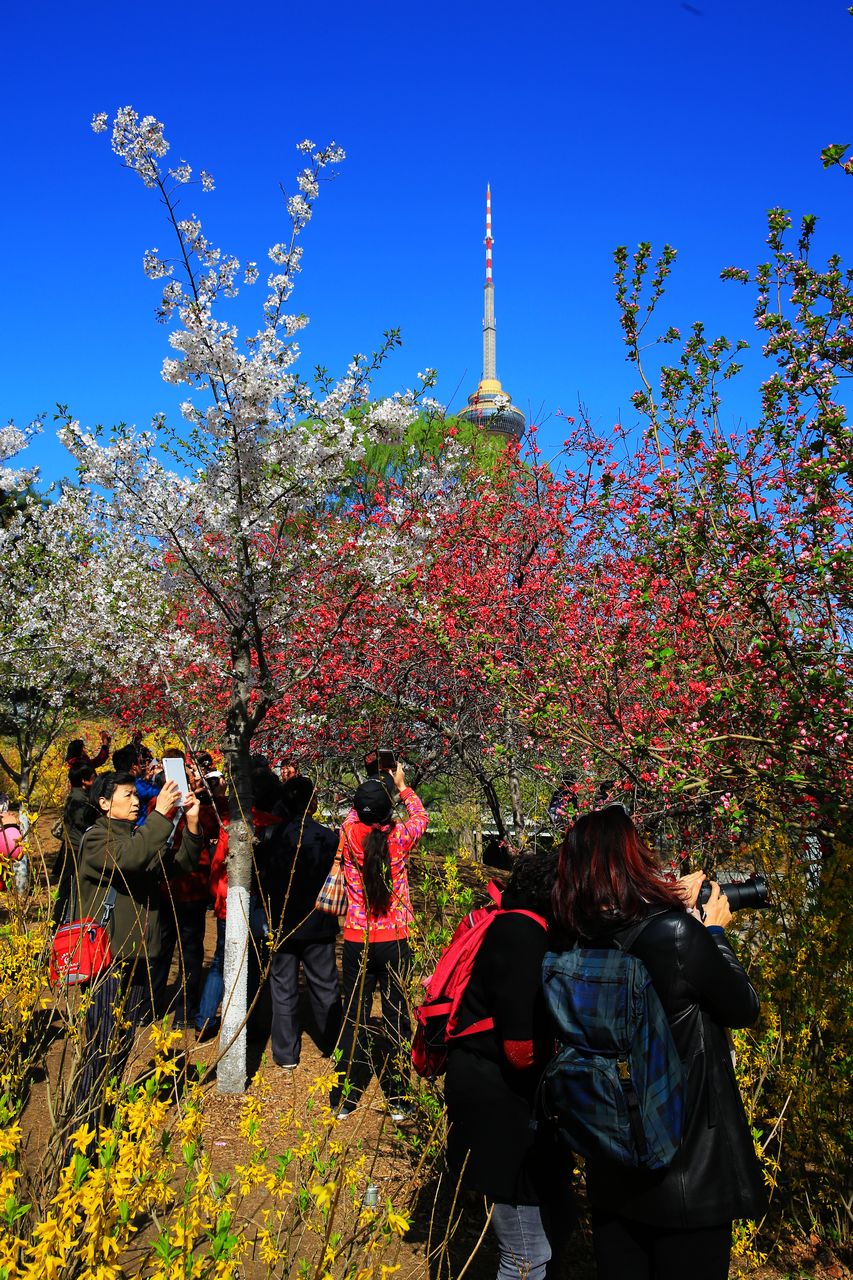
{"points": [[745, 895]]}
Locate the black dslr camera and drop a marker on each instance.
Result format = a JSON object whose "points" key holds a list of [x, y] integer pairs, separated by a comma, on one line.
{"points": [[743, 895]]}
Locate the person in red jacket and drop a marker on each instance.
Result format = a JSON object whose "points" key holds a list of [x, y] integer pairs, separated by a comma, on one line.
{"points": [[264, 823], [183, 911], [77, 753], [376, 950], [206, 1019]]}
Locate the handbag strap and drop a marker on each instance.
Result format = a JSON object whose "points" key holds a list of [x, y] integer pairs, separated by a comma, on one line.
{"points": [[108, 904]]}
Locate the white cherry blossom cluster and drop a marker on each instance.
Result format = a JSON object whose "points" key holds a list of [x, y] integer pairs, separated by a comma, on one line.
{"points": [[203, 517], [13, 440], [389, 418], [140, 144]]}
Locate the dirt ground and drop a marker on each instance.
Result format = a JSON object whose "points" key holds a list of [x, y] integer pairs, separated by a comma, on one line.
{"points": [[394, 1154]]}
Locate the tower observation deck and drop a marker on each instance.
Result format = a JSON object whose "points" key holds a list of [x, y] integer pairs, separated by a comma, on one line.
{"points": [[490, 407]]}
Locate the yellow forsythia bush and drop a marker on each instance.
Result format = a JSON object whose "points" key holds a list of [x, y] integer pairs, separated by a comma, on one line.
{"points": [[144, 1195], [796, 1066]]}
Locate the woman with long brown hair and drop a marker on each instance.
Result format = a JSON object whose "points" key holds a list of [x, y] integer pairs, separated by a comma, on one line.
{"points": [[651, 1226]]}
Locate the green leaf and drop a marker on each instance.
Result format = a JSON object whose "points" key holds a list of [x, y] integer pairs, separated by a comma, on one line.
{"points": [[833, 154]]}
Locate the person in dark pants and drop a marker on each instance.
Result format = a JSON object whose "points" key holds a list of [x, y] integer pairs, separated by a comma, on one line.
{"points": [[183, 912], [376, 950], [115, 856], [182, 924], [677, 1221], [495, 1144], [296, 866]]}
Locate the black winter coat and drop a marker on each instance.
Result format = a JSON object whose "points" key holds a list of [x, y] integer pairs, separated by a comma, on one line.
{"points": [[78, 816], [296, 863], [493, 1140], [715, 1176]]}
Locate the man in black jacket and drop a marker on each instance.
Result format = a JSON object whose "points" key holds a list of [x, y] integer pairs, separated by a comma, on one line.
{"points": [[298, 863]]}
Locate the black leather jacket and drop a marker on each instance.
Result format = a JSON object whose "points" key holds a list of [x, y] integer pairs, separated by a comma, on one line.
{"points": [[715, 1176]]}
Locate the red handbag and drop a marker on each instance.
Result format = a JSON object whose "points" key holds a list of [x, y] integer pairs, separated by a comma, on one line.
{"points": [[81, 948]]}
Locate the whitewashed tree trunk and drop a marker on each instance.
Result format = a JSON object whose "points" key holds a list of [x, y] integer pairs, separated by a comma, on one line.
{"points": [[232, 1070]]}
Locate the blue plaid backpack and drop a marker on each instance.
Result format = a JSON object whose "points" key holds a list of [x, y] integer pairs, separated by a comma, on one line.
{"points": [[616, 1087]]}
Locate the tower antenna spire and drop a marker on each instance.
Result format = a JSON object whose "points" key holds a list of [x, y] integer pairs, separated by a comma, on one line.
{"points": [[489, 330], [490, 407]]}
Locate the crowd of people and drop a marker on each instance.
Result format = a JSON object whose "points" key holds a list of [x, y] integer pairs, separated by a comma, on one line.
{"points": [[158, 859]]}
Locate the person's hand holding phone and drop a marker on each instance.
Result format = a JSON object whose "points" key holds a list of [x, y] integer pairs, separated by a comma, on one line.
{"points": [[168, 798], [192, 806], [398, 777]]}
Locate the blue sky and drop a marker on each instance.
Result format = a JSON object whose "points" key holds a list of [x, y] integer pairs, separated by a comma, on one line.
{"points": [[595, 125]]}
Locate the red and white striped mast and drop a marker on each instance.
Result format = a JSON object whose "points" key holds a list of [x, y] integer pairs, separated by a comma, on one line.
{"points": [[489, 355]]}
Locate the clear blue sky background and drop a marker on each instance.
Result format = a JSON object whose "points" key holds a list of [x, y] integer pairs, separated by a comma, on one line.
{"points": [[595, 125]]}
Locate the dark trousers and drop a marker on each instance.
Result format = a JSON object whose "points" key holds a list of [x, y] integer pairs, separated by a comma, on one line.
{"points": [[626, 1250], [65, 871], [120, 1003], [365, 967], [181, 926], [317, 959]]}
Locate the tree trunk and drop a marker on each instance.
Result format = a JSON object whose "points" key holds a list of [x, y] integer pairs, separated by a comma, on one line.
{"points": [[232, 1071], [515, 799]]}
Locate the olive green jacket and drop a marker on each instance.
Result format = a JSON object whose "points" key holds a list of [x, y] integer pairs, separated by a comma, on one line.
{"points": [[133, 861]]}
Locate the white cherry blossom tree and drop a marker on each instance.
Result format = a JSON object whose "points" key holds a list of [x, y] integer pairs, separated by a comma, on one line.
{"points": [[218, 508], [62, 589]]}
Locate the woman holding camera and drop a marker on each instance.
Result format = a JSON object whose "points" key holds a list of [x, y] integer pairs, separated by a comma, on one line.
{"points": [[376, 950], [650, 1226]]}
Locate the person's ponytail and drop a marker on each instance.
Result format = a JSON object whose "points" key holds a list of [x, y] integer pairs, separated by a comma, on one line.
{"points": [[376, 871]]}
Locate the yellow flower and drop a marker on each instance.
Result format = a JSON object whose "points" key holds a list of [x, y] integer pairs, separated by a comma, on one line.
{"points": [[397, 1223], [10, 1139], [81, 1138], [162, 1040], [324, 1194]]}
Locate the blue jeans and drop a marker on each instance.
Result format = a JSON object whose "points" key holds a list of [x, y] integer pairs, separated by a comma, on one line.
{"points": [[214, 984], [525, 1250]]}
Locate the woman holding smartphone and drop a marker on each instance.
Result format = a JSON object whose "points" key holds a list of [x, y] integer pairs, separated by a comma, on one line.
{"points": [[376, 952]]}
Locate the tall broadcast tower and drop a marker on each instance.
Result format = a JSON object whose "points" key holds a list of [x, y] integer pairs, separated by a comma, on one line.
{"points": [[490, 407]]}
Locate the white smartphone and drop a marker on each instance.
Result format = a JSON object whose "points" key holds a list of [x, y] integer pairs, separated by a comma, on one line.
{"points": [[175, 771]]}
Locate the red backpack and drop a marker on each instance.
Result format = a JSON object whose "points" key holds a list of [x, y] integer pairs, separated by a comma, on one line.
{"points": [[438, 1017]]}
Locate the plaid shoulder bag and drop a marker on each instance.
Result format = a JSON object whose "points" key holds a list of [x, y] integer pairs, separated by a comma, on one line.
{"points": [[332, 898]]}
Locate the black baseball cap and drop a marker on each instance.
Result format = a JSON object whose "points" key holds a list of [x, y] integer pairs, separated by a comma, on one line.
{"points": [[372, 801]]}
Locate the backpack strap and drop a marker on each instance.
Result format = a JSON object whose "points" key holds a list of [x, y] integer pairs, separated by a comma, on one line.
{"points": [[630, 935], [521, 911], [495, 892]]}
